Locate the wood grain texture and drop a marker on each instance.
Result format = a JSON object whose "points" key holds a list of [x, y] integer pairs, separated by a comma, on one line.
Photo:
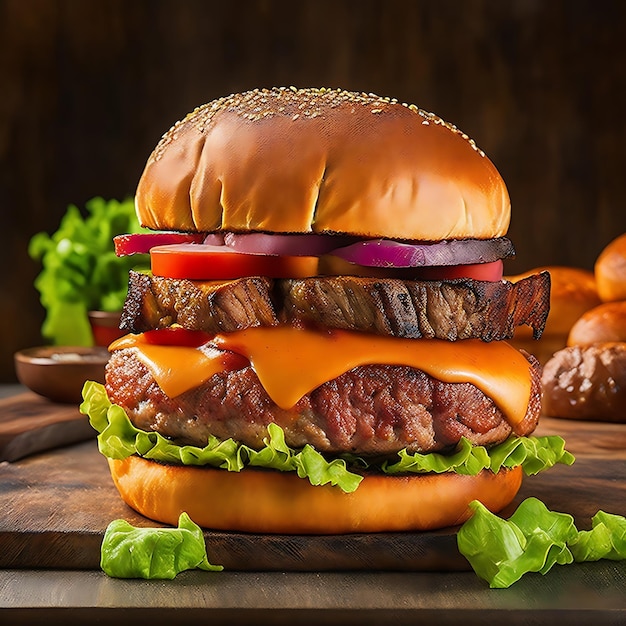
{"points": [[29, 424], [56, 506]]}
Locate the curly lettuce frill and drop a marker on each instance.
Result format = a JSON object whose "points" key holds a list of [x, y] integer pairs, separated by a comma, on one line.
{"points": [[118, 438]]}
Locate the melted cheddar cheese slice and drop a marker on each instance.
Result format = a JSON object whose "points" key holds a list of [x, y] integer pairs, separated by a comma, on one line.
{"points": [[291, 362]]}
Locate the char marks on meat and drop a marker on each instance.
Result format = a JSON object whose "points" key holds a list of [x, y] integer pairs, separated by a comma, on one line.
{"points": [[373, 410], [451, 310], [223, 306]]}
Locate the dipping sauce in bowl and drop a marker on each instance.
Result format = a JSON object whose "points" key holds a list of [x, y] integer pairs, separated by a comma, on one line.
{"points": [[105, 327], [59, 372]]}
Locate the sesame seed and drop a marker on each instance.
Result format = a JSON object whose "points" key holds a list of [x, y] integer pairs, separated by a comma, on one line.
{"points": [[291, 102]]}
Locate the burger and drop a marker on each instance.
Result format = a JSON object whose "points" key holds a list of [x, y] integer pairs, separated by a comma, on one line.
{"points": [[320, 345]]}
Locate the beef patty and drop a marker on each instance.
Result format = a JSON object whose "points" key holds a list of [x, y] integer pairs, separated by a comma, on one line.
{"points": [[372, 410]]}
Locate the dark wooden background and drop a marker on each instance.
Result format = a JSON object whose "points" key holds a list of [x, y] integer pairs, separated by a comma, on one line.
{"points": [[88, 86]]}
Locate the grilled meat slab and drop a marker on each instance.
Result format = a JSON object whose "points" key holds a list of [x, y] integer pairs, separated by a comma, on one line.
{"points": [[451, 310], [212, 306]]}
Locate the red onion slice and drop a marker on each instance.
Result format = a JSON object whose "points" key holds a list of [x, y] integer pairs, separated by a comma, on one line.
{"points": [[379, 253], [141, 243], [304, 244], [387, 253], [214, 239]]}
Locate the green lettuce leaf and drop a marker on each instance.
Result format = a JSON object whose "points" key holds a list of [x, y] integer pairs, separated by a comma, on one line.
{"points": [[534, 454], [154, 553], [118, 439], [80, 270], [467, 459], [605, 540], [534, 539]]}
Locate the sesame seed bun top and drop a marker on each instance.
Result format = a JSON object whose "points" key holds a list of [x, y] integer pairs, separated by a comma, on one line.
{"points": [[315, 160]]}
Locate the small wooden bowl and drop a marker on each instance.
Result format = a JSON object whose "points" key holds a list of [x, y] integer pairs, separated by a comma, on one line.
{"points": [[59, 372]]}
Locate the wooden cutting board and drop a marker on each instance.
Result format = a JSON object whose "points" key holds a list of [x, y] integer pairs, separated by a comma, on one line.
{"points": [[57, 504], [30, 423]]}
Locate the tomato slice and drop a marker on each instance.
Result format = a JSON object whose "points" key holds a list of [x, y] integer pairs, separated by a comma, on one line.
{"points": [[205, 262], [141, 243], [173, 338]]}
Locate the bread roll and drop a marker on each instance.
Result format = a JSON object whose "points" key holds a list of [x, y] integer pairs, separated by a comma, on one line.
{"points": [[610, 271], [604, 323], [586, 382]]}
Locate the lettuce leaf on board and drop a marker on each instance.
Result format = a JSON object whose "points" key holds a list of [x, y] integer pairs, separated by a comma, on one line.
{"points": [[605, 540], [534, 539], [153, 553], [118, 438]]}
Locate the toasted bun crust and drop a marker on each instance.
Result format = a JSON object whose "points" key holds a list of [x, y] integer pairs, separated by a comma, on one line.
{"points": [[610, 270], [263, 501], [604, 323], [287, 160], [572, 292], [586, 382]]}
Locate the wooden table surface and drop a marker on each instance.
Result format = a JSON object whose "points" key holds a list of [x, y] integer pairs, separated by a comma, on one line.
{"points": [[580, 594]]}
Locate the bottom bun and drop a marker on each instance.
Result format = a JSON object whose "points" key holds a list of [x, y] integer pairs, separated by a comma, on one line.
{"points": [[266, 501]]}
